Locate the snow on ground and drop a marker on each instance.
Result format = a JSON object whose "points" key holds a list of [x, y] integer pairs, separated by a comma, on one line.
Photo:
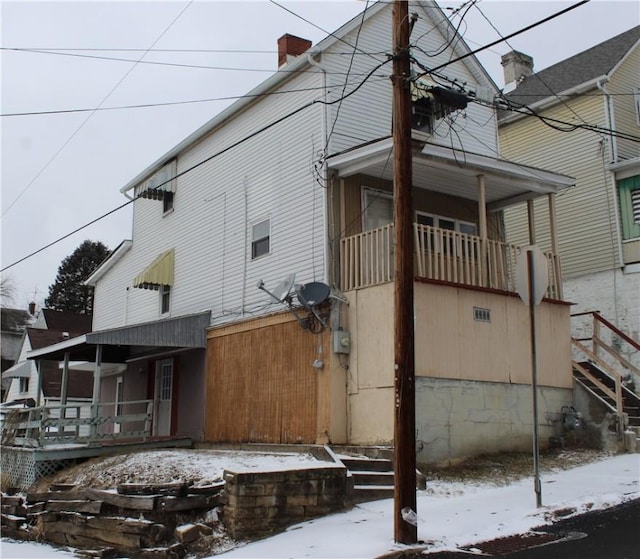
{"points": [[450, 514], [199, 467]]}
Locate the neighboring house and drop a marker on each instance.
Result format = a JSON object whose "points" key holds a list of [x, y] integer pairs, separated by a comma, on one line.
{"points": [[42, 385], [14, 322], [296, 178], [599, 219]]}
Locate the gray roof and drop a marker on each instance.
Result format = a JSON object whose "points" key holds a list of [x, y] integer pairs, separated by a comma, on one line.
{"points": [[581, 68]]}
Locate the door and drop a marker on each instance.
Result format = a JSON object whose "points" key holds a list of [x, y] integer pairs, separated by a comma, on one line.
{"points": [[163, 397]]}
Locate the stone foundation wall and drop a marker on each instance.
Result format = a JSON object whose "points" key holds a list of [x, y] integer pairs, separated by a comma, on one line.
{"points": [[258, 504]]}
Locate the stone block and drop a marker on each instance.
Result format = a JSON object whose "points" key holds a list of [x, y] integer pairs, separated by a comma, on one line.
{"points": [[187, 533], [302, 500], [252, 489]]}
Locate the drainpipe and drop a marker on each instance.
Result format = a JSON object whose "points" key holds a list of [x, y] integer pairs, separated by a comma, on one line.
{"points": [[608, 109], [325, 141]]}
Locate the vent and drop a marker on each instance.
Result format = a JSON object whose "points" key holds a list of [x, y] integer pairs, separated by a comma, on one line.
{"points": [[481, 315]]}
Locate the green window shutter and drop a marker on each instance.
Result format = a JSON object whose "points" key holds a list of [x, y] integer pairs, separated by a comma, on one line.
{"points": [[629, 191]]}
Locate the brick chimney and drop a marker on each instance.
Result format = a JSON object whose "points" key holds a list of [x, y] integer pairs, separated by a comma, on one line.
{"points": [[290, 47], [32, 308], [516, 66]]}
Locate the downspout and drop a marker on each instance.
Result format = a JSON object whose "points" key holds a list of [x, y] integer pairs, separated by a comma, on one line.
{"points": [[611, 125], [608, 106], [325, 141]]}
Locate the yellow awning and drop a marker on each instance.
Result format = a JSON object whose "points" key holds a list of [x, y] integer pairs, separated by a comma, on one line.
{"points": [[159, 272]]}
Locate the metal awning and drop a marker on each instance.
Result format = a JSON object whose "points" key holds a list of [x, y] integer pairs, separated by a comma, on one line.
{"points": [[121, 344], [19, 370], [159, 272]]}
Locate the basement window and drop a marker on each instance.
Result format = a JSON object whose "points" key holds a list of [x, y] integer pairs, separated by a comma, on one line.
{"points": [[481, 315]]}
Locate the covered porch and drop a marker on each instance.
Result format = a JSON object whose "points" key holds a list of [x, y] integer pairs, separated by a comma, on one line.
{"points": [[458, 199], [146, 380]]}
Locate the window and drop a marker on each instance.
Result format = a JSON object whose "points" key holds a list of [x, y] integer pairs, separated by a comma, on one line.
{"points": [[448, 224], [260, 235], [378, 208], [636, 98], [629, 191], [167, 202], [165, 299], [24, 384]]}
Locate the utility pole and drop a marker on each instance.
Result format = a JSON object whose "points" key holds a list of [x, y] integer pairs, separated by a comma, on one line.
{"points": [[405, 406]]}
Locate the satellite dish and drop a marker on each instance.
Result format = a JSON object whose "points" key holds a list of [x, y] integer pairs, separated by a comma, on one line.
{"points": [[280, 292], [313, 293]]}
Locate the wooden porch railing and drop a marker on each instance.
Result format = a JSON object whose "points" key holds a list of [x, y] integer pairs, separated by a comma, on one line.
{"points": [[594, 348], [77, 423], [367, 259]]}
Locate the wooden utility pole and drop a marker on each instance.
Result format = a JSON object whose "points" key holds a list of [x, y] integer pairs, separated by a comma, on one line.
{"points": [[405, 532]]}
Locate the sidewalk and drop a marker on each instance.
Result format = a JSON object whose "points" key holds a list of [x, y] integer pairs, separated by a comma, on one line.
{"points": [[451, 515]]}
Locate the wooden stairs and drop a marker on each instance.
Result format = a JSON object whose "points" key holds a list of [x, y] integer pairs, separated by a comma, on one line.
{"points": [[373, 478]]}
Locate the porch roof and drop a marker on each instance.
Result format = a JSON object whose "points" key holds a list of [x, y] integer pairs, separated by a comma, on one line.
{"points": [[135, 341], [453, 171]]}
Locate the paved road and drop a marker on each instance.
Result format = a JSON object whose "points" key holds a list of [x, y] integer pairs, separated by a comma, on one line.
{"points": [[609, 534]]}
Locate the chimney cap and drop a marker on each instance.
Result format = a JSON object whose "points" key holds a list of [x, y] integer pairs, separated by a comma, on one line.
{"points": [[290, 47]]}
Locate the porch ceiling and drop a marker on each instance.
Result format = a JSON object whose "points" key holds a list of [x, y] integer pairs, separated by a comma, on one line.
{"points": [[454, 172], [131, 342]]}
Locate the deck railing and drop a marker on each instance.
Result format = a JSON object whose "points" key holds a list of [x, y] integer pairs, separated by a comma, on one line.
{"points": [[77, 423], [367, 259]]}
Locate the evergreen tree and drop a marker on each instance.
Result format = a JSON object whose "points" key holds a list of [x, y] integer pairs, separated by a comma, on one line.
{"points": [[68, 292]]}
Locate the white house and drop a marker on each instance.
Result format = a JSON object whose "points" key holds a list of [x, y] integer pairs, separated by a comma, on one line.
{"points": [[296, 178]]}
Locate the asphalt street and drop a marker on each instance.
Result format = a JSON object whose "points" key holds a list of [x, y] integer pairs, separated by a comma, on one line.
{"points": [[606, 534]]}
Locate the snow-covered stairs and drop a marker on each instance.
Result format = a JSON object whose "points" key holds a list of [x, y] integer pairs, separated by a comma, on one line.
{"points": [[373, 478]]}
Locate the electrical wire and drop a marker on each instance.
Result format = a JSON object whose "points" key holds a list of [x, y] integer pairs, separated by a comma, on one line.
{"points": [[174, 103], [169, 64], [82, 124], [200, 163]]}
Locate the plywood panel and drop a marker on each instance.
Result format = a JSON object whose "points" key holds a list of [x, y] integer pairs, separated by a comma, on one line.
{"points": [[261, 386]]}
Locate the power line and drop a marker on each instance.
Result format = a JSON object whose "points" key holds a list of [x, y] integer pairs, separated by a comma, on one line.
{"points": [[200, 163], [172, 103], [170, 64], [73, 135]]}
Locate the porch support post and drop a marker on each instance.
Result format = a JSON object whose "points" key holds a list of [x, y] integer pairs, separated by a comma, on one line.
{"points": [[484, 237], [97, 374], [63, 392], [532, 222], [39, 383], [553, 227]]}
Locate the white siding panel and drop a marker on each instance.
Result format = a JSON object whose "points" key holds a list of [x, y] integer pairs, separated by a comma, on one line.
{"points": [[270, 175], [366, 115]]}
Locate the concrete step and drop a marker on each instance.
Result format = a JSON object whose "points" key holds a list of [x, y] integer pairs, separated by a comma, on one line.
{"points": [[356, 464], [365, 493], [383, 479]]}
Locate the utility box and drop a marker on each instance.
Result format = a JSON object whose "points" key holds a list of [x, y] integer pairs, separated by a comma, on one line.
{"points": [[341, 341]]}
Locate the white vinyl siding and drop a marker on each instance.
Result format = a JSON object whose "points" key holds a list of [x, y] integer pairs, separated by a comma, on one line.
{"points": [[273, 173], [366, 115]]}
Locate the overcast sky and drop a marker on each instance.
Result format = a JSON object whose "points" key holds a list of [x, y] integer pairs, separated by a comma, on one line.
{"points": [[63, 170]]}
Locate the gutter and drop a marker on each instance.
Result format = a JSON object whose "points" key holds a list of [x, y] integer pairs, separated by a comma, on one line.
{"points": [[608, 106], [553, 100]]}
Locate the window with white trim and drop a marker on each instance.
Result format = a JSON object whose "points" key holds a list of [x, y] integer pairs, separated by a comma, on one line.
{"points": [[260, 238], [165, 299], [447, 223], [24, 384]]}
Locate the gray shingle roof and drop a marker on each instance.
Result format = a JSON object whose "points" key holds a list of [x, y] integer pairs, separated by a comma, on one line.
{"points": [[581, 68]]}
